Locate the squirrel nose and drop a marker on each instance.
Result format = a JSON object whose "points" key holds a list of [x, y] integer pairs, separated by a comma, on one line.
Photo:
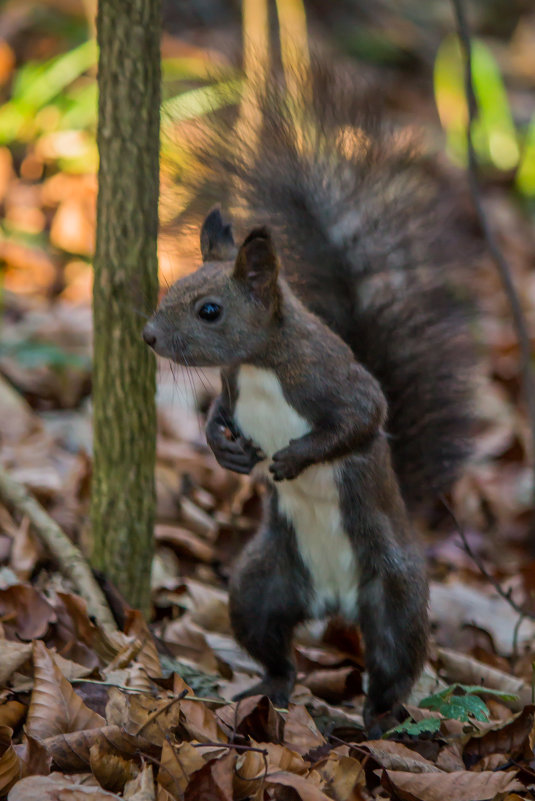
{"points": [[149, 336]]}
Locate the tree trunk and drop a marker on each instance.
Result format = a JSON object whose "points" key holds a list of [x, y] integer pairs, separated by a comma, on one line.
{"points": [[125, 284]]}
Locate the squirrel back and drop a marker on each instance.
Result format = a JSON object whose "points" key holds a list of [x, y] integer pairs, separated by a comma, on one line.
{"points": [[368, 244]]}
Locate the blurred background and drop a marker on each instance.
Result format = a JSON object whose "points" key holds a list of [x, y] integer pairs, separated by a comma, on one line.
{"points": [[48, 186]]}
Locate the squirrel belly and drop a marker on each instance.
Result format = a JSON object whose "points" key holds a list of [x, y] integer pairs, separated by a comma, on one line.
{"points": [[310, 502]]}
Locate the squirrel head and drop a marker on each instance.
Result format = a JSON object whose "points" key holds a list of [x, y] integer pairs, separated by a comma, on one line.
{"points": [[224, 312]]}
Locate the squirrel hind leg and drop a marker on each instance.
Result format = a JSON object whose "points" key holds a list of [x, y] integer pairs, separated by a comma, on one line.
{"points": [[266, 603], [277, 688], [393, 620]]}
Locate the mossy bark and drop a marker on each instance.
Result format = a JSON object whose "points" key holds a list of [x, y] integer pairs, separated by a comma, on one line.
{"points": [[125, 284]]}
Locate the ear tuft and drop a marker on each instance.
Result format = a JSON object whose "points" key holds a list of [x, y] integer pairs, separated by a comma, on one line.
{"points": [[217, 242]]}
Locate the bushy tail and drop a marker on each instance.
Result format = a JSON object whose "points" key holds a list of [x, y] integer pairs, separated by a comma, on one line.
{"points": [[367, 243]]}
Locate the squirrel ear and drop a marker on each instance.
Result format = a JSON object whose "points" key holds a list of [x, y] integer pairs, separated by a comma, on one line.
{"points": [[257, 264], [217, 242]]}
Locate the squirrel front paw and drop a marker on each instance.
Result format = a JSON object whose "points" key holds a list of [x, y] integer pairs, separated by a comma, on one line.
{"points": [[236, 453], [287, 463]]}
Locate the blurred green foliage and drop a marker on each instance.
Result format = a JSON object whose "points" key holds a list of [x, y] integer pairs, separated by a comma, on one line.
{"points": [[498, 143]]}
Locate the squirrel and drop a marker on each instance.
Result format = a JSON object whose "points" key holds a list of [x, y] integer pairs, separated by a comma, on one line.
{"points": [[345, 379]]}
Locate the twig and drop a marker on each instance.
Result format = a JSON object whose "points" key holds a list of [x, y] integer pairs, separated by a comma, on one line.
{"points": [[505, 594], [231, 745], [68, 556], [503, 267]]}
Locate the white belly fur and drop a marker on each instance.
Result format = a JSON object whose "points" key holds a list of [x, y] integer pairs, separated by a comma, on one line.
{"points": [[310, 502]]}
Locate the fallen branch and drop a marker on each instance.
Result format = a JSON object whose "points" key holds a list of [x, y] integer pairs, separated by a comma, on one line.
{"points": [[69, 557], [498, 256]]}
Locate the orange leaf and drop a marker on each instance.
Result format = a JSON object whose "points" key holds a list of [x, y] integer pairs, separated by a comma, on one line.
{"points": [[10, 767]]}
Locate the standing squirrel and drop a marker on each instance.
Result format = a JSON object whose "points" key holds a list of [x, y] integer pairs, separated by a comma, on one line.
{"points": [[344, 379]]}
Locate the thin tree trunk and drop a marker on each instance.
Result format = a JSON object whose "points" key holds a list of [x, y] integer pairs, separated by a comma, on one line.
{"points": [[125, 283]]}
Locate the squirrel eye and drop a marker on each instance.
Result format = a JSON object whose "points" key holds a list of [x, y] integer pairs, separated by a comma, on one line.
{"points": [[209, 312]]}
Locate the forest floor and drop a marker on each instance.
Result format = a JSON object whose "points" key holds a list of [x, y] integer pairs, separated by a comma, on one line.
{"points": [[145, 712]]}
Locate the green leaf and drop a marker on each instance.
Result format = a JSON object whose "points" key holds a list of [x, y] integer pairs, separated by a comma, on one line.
{"points": [[455, 706], [409, 726], [494, 134], [525, 177], [197, 102], [37, 85]]}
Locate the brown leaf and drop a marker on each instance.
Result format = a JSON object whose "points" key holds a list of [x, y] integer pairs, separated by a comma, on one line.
{"points": [[57, 788], [177, 765], [10, 767], [395, 756], [305, 789], [213, 782], [185, 542], [11, 713], [335, 685], [25, 552], [514, 737], [251, 767], [343, 776], [143, 715], [34, 757], [189, 640], [55, 708], [458, 786], [255, 717], [142, 787], [71, 751], [25, 612], [12, 656], [136, 626], [200, 722], [110, 769], [300, 732]]}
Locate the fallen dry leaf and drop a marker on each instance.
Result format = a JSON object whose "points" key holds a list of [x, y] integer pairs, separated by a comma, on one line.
{"points": [[142, 787], [12, 656], [254, 717], [34, 757], [136, 626], [458, 786], [55, 708], [10, 766], [177, 765], [306, 790], [140, 714], [71, 752], [11, 713], [200, 722], [212, 782], [344, 777], [513, 737], [396, 756], [335, 685], [25, 612], [300, 732], [56, 788]]}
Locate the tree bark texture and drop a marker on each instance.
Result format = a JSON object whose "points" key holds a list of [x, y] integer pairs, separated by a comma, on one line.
{"points": [[125, 284]]}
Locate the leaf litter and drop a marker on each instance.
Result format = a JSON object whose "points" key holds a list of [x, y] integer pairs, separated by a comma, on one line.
{"points": [[145, 713]]}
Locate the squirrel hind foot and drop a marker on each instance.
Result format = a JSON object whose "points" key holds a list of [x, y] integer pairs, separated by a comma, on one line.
{"points": [[277, 689], [378, 723]]}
